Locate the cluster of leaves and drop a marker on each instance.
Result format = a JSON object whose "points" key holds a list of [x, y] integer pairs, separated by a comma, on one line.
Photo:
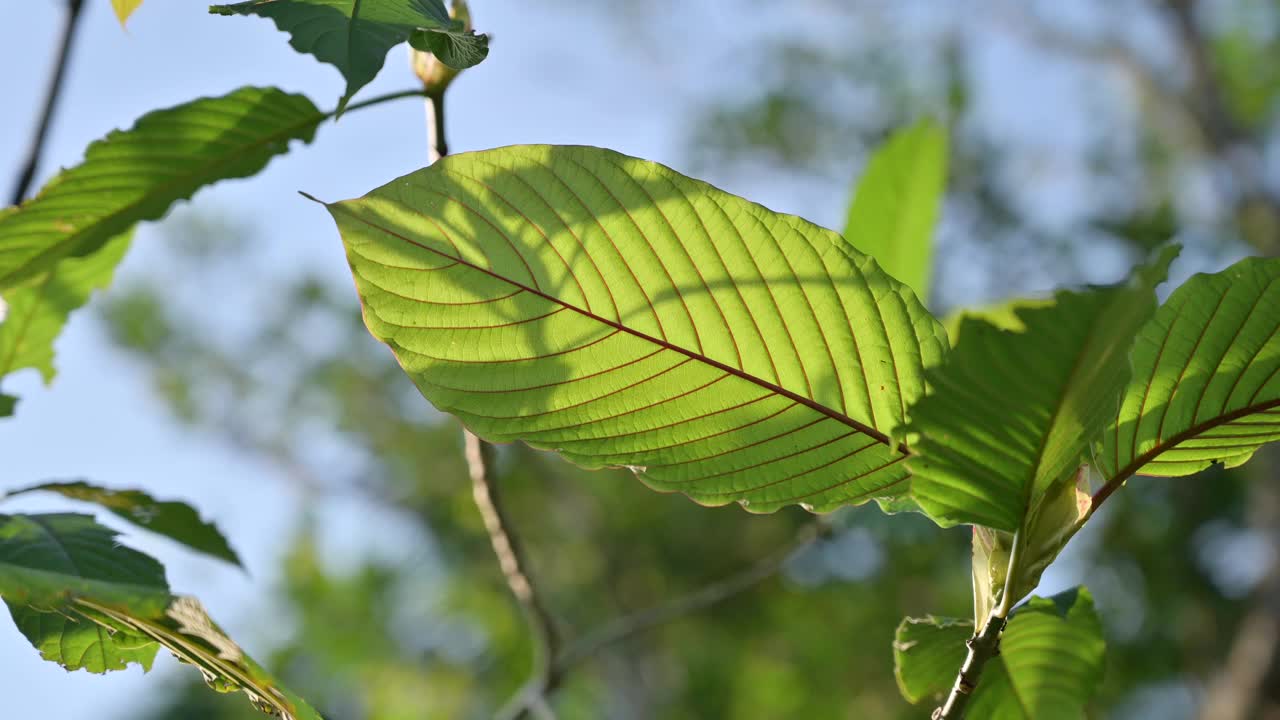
{"points": [[84, 600], [625, 315]]}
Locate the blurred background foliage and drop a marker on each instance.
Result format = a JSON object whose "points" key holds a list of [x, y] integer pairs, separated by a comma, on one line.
{"points": [[1177, 137]]}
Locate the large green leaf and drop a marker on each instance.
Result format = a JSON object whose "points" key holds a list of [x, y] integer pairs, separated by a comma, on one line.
{"points": [[46, 560], [137, 174], [623, 314], [1206, 377], [35, 313], [1012, 414], [355, 35], [1050, 661], [895, 204], [175, 520], [74, 641]]}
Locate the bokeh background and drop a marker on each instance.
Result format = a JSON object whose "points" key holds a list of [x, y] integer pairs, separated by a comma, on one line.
{"points": [[227, 364]]}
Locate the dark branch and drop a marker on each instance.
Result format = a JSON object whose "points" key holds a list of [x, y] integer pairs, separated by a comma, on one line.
{"points": [[36, 150]]}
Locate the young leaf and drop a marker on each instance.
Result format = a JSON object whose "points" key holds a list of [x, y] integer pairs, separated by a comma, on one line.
{"points": [[137, 174], [1206, 378], [355, 35], [623, 314], [927, 652], [48, 559], [37, 312], [74, 641], [1012, 414], [125, 8], [175, 520], [895, 204], [1050, 660]]}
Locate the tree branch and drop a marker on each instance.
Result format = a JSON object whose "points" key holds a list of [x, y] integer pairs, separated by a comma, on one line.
{"points": [[982, 647], [36, 149]]}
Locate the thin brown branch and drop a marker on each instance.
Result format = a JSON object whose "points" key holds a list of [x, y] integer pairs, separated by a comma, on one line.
{"points": [[982, 648], [36, 149]]}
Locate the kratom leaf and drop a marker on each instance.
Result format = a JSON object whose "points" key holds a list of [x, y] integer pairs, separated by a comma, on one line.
{"points": [[68, 566], [927, 654], [1206, 377], [355, 35], [186, 630], [175, 520], [74, 641], [1050, 661], [1011, 414], [895, 204], [458, 49], [125, 8], [38, 311], [623, 314], [137, 174], [46, 560]]}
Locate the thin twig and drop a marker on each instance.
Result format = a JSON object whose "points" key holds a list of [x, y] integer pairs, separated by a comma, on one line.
{"points": [[506, 544], [36, 150], [982, 647], [709, 596]]}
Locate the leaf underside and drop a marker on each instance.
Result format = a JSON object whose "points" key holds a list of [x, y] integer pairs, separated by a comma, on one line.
{"points": [[1206, 382], [137, 174], [623, 314], [125, 8], [1012, 414]]}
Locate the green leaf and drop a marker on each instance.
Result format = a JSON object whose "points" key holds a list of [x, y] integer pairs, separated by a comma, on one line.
{"points": [[623, 314], [175, 520], [37, 312], [125, 8], [896, 202], [7, 404], [355, 35], [68, 566], [46, 560], [1049, 666], [927, 654], [75, 641], [1012, 414], [137, 174], [1206, 377], [1050, 662], [186, 630], [456, 48]]}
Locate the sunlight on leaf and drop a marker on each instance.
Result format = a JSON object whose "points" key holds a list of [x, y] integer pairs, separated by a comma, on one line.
{"points": [[138, 174], [1206, 383], [896, 202], [1013, 414], [623, 314]]}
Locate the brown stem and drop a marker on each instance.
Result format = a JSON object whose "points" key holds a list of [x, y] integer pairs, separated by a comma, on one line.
{"points": [[36, 149], [982, 647]]}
